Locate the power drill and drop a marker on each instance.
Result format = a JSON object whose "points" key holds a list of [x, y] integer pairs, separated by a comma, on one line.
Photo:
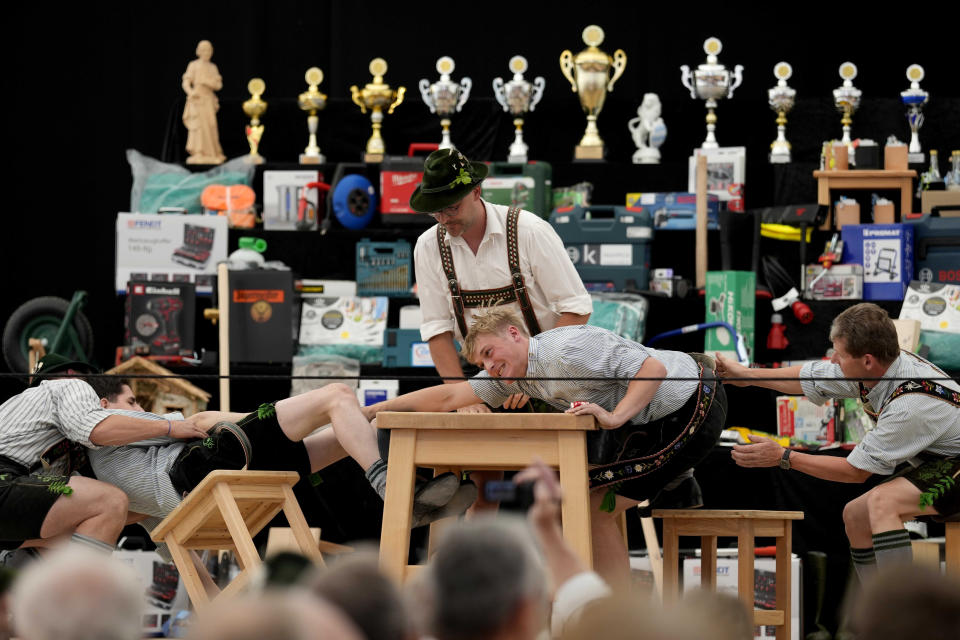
{"points": [[168, 310]]}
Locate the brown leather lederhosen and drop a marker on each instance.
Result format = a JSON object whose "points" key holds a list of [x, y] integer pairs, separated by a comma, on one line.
{"points": [[516, 291]]}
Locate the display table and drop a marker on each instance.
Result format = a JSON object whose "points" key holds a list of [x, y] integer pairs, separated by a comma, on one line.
{"points": [[865, 179], [479, 441]]}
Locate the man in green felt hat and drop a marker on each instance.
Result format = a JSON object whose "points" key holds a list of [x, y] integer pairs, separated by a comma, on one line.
{"points": [[481, 254]]}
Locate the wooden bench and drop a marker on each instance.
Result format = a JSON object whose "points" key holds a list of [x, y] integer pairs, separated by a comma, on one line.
{"points": [[708, 524], [224, 512], [479, 441]]}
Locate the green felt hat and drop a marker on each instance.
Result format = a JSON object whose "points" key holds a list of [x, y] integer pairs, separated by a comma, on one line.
{"points": [[447, 178]]}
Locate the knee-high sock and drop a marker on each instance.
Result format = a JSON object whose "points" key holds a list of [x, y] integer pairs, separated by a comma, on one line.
{"points": [[892, 547], [864, 562], [377, 477]]}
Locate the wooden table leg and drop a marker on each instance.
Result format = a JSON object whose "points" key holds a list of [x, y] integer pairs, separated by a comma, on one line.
{"points": [[784, 579], [906, 198], [745, 552], [397, 504], [671, 561], [708, 562], [575, 510]]}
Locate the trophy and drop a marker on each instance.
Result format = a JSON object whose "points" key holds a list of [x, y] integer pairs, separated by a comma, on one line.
{"points": [[648, 130], [254, 108], [781, 99], [711, 81], [375, 96], [847, 99], [589, 76], [914, 98], [445, 96], [312, 101], [518, 97]]}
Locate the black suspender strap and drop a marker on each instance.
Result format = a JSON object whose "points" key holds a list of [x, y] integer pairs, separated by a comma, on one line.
{"points": [[926, 387], [516, 276]]}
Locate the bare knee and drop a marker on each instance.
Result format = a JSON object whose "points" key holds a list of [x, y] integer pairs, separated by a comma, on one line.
{"points": [[338, 395], [879, 503]]}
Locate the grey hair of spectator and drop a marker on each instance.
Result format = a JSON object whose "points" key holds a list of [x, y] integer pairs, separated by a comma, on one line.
{"points": [[287, 614], [77, 594], [485, 572], [907, 601], [372, 601], [625, 616]]}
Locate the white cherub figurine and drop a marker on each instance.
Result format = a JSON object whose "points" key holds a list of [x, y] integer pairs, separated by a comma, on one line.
{"points": [[648, 130]]}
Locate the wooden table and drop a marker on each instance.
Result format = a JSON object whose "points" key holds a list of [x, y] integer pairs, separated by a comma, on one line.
{"points": [[865, 179], [479, 441]]}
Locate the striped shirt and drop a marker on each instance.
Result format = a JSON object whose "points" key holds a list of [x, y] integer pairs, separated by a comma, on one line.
{"points": [[142, 469], [584, 351], [42, 416], [910, 424]]}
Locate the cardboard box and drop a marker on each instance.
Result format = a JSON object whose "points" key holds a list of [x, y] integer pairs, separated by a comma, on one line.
{"points": [[931, 199], [160, 316], [842, 282], [883, 213], [886, 253], [169, 248], [935, 304], [730, 298], [847, 213], [261, 315], [352, 327], [764, 586], [800, 419], [281, 200], [908, 331], [676, 210], [895, 157], [163, 592]]}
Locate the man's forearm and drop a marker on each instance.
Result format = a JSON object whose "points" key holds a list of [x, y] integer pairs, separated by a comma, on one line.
{"points": [[442, 397], [116, 430], [568, 319], [445, 357], [785, 380], [827, 468], [640, 392]]}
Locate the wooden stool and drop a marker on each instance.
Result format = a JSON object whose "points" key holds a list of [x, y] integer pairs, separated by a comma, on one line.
{"points": [[482, 441], [225, 511], [745, 526]]}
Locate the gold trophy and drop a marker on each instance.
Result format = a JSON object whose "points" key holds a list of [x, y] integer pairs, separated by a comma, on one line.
{"points": [[375, 96], [312, 101], [847, 98], [589, 75], [254, 108]]}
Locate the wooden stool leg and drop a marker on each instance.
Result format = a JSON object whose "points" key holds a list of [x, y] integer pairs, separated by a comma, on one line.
{"points": [[298, 526], [188, 573], [653, 549], [784, 579], [575, 510], [708, 562], [671, 561], [953, 548], [236, 526], [745, 552], [395, 534]]}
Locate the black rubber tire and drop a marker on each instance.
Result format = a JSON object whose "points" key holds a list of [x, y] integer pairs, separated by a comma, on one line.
{"points": [[42, 315]]}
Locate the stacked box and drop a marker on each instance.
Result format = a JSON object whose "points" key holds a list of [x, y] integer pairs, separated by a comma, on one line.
{"points": [[527, 185], [608, 245], [886, 253], [800, 419], [261, 316], [160, 316], [731, 298], [676, 210]]}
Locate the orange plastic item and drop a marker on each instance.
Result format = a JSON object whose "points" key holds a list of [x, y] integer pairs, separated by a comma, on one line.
{"points": [[221, 197]]}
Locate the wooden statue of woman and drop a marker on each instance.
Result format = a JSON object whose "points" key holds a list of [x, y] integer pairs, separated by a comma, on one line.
{"points": [[200, 82]]}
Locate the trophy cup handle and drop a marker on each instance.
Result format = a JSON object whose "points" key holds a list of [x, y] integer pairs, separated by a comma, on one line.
{"points": [[396, 103], [566, 66], [538, 84], [737, 79], [465, 85], [498, 93], [425, 93], [686, 81], [619, 64], [355, 95]]}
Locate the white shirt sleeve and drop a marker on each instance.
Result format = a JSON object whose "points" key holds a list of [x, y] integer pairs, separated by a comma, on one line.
{"points": [[432, 287], [553, 271], [903, 430], [571, 598], [819, 391], [76, 409]]}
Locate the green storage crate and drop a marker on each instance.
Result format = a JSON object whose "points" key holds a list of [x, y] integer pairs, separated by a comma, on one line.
{"points": [[731, 298], [527, 185]]}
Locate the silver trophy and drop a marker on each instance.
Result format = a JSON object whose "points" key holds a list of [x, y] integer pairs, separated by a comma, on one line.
{"points": [[847, 99], [914, 98], [781, 100], [648, 130], [518, 97], [445, 96], [711, 81]]}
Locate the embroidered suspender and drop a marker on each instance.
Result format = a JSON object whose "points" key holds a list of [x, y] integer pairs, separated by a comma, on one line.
{"points": [[926, 387], [516, 291]]}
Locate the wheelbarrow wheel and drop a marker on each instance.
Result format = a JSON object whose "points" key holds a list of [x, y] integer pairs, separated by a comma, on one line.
{"points": [[41, 318]]}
